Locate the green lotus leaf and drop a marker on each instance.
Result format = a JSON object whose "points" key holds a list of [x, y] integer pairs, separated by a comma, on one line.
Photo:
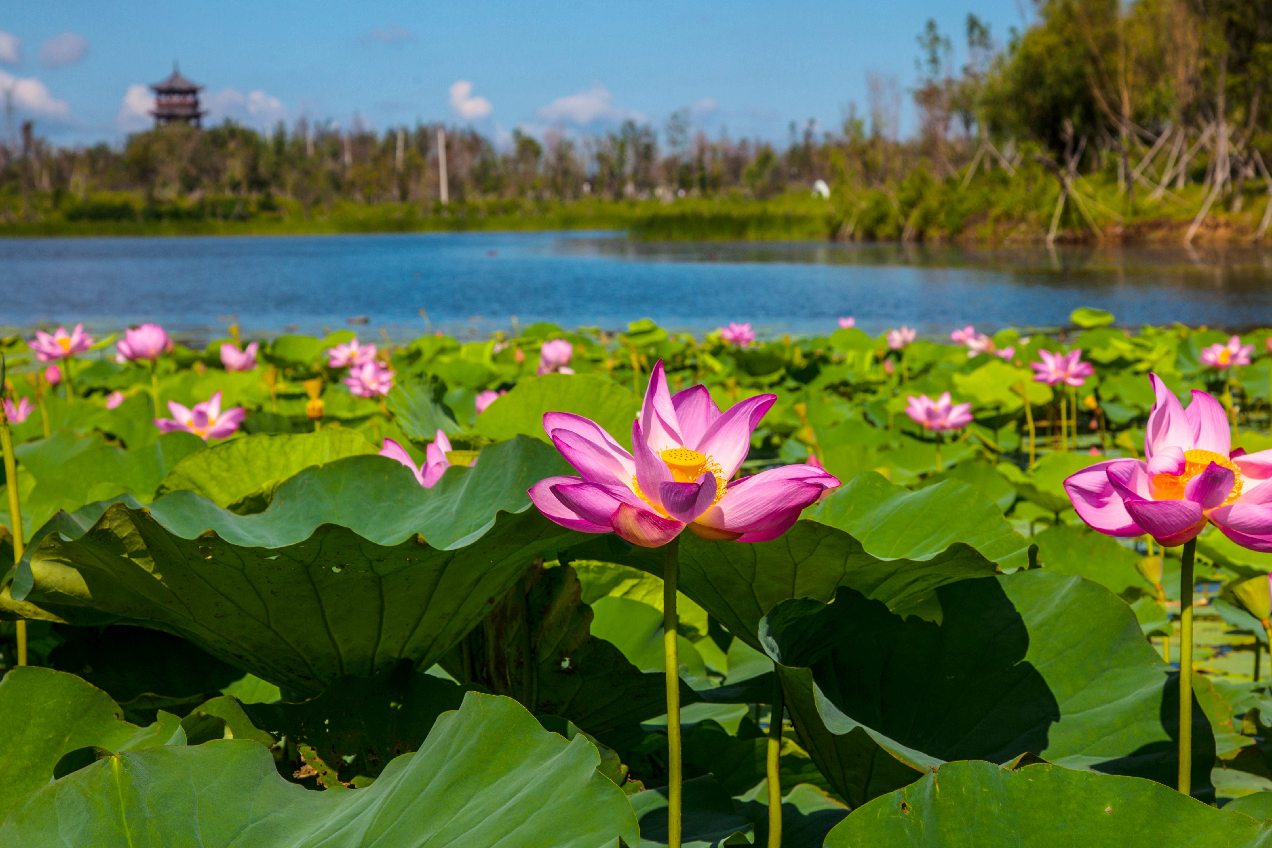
{"points": [[1257, 805], [1029, 663], [980, 805], [48, 714], [487, 774], [1000, 384], [247, 469], [1069, 549], [1088, 317], [419, 408], [520, 412]]}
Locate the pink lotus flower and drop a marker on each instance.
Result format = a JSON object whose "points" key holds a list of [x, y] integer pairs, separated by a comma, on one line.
{"points": [[1008, 353], [1226, 356], [964, 335], [52, 375], [979, 343], [686, 451], [554, 357], [435, 461], [61, 344], [239, 360], [940, 414], [1191, 476], [486, 398], [1056, 368], [847, 322], [369, 379], [350, 354], [901, 337], [17, 413], [149, 341], [114, 399], [738, 335], [206, 420]]}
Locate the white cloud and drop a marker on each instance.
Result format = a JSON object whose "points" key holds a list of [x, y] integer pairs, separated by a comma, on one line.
{"points": [[32, 97], [134, 109], [705, 106], [586, 107], [10, 49], [467, 106], [64, 49], [392, 35], [255, 108]]}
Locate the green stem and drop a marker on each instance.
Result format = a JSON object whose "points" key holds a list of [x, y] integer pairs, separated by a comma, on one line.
{"points": [[1185, 665], [1029, 422], [1073, 395], [774, 765], [154, 386], [939, 439], [671, 566], [15, 518], [1064, 423], [66, 378]]}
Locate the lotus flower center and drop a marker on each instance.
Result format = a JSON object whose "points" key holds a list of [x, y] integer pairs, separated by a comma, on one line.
{"points": [[1225, 356], [1170, 487], [686, 465], [64, 343]]}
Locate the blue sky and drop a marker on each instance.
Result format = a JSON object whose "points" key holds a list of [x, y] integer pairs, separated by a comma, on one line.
{"points": [[79, 69]]}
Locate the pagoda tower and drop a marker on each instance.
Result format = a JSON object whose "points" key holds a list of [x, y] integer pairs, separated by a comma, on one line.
{"points": [[177, 101]]}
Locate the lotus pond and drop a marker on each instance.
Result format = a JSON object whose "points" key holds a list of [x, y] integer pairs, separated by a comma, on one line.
{"points": [[314, 592]]}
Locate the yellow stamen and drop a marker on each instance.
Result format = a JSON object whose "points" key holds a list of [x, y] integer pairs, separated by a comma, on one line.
{"points": [[686, 465], [1170, 487], [64, 343], [1225, 356]]}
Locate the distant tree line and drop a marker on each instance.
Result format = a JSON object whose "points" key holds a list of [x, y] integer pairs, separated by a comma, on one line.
{"points": [[1158, 101]]}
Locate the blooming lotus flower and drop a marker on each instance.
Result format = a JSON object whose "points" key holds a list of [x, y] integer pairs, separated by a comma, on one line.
{"points": [[61, 344], [486, 398], [964, 335], [1226, 356], [1008, 353], [847, 322], [149, 341], [239, 360], [1191, 476], [1056, 368], [17, 413], [206, 420], [979, 343], [554, 357], [52, 375], [900, 337], [739, 335], [349, 354], [940, 414], [114, 399], [435, 460], [370, 379], [686, 451]]}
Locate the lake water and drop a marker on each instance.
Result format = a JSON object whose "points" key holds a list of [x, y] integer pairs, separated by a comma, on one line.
{"points": [[474, 283]]}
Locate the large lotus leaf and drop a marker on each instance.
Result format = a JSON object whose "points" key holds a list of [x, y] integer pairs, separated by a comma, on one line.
{"points": [[980, 805], [1030, 663], [252, 466], [710, 818], [418, 407], [48, 714], [1256, 805], [891, 522], [1068, 549], [520, 412], [999, 384], [739, 583], [488, 774], [1044, 484]]}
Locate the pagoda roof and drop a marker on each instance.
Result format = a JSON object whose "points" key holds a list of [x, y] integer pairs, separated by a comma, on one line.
{"points": [[176, 82]]}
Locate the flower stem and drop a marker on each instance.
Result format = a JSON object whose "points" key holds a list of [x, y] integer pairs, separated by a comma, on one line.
{"points": [[154, 386], [939, 439], [1064, 423], [774, 766], [66, 378], [15, 519], [1029, 422], [1185, 665], [1073, 395], [671, 565]]}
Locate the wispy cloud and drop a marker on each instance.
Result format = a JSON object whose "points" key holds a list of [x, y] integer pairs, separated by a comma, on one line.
{"points": [[10, 48], [31, 97], [134, 109], [255, 108], [392, 35], [595, 105], [465, 104], [64, 49], [705, 106]]}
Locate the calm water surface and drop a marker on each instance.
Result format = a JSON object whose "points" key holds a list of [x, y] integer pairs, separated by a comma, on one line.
{"points": [[473, 283]]}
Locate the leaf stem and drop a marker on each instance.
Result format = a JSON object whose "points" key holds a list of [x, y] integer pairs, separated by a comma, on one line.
{"points": [[154, 386], [1185, 665], [15, 519], [671, 566], [774, 765]]}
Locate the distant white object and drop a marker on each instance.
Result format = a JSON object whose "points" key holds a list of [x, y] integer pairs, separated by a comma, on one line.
{"points": [[821, 189]]}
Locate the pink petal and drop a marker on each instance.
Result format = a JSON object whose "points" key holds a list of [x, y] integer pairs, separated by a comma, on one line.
{"points": [[1130, 478], [1211, 487], [1169, 522], [545, 498], [686, 501], [1209, 424], [179, 412], [695, 412], [640, 526], [167, 425], [432, 472], [214, 406], [1256, 465], [1168, 460], [1260, 493], [728, 439], [765, 505], [1167, 424], [1098, 503], [591, 450], [657, 415], [1249, 525], [393, 450], [651, 471]]}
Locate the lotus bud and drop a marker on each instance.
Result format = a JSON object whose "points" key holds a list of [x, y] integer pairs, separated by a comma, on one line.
{"points": [[1255, 595], [270, 376], [313, 388], [314, 408]]}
